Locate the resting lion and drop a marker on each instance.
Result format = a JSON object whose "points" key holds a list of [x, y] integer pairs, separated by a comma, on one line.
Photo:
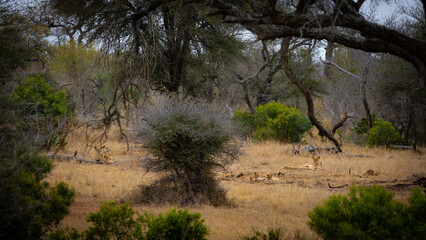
{"points": [[317, 165]]}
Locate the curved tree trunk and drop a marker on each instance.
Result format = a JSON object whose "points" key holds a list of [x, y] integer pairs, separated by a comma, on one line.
{"points": [[285, 44]]}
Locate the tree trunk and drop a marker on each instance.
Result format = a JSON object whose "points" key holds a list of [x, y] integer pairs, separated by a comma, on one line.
{"points": [[328, 57], [264, 94], [364, 95], [285, 44], [246, 93], [177, 48]]}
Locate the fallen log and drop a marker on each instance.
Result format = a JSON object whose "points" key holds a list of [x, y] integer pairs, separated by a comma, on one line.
{"points": [[355, 155], [54, 156], [401, 147], [313, 150]]}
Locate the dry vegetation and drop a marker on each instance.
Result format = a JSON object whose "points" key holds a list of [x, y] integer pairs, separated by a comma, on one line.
{"points": [[283, 202]]}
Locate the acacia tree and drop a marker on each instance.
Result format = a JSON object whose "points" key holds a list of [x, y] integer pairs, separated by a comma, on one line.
{"points": [[338, 21], [171, 36]]}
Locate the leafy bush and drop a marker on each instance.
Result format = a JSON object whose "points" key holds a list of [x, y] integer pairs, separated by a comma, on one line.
{"points": [[67, 234], [273, 234], [29, 208], [187, 140], [274, 121], [114, 222], [37, 98], [41, 98], [122, 222], [175, 225], [383, 133], [370, 213]]}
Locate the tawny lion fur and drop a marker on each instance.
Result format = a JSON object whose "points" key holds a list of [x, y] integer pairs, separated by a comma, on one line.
{"points": [[317, 165]]}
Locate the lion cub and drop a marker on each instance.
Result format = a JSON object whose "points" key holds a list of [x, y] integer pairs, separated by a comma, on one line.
{"points": [[103, 155], [254, 176], [317, 164]]}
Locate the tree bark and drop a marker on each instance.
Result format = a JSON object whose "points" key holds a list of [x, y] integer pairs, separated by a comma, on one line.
{"points": [[328, 57], [246, 93], [339, 124], [176, 51], [364, 95], [264, 94]]}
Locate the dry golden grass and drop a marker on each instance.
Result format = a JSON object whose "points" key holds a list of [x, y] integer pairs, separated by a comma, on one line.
{"points": [[257, 204]]}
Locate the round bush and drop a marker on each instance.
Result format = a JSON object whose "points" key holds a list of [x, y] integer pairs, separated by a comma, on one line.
{"points": [[383, 134], [370, 213], [275, 121], [41, 98]]}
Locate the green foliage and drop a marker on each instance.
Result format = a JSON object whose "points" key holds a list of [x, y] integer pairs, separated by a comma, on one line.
{"points": [[29, 206], [275, 121], [175, 225], [13, 48], [66, 234], [41, 98], [360, 127], [35, 208], [370, 213], [383, 133], [113, 222], [273, 234], [122, 222], [415, 217], [48, 106]]}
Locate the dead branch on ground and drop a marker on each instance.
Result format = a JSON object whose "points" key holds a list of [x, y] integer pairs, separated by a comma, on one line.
{"points": [[54, 156]]}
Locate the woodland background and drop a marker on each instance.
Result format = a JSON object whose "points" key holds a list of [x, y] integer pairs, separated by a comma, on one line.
{"points": [[77, 74]]}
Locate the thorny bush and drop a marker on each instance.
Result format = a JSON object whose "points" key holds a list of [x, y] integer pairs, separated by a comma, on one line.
{"points": [[187, 140]]}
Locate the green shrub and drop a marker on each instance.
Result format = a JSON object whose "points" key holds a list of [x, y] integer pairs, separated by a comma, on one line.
{"points": [[175, 225], [272, 234], [370, 213], [114, 222], [274, 121], [41, 98], [29, 208], [187, 141], [383, 134], [48, 106], [122, 222], [67, 234]]}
